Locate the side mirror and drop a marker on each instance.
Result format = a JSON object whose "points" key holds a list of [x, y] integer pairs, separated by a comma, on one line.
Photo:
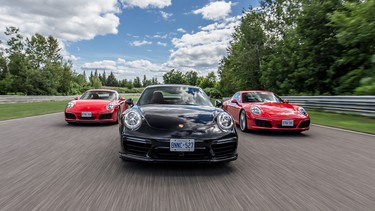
{"points": [[129, 101], [218, 103], [122, 99], [234, 101], [286, 101], [76, 98]]}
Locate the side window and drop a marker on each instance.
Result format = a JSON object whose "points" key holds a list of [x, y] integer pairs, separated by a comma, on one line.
{"points": [[237, 97]]}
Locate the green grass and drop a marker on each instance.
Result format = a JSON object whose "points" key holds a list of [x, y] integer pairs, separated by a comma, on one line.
{"points": [[19, 110], [351, 122], [345, 121]]}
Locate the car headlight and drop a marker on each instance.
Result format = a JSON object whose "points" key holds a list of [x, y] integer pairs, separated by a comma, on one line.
{"points": [[70, 105], [225, 121], [132, 119], [302, 111], [110, 106], [255, 110]]}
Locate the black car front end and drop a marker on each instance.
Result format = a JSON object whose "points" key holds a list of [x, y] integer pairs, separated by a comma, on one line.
{"points": [[194, 130]]}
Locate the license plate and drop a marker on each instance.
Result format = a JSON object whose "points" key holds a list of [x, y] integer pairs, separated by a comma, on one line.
{"points": [[182, 145], [287, 123], [86, 114]]}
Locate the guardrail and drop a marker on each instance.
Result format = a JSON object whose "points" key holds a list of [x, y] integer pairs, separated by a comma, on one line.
{"points": [[40, 98], [360, 105]]}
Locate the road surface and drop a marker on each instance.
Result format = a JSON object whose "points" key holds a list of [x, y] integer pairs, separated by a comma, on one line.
{"points": [[46, 164]]}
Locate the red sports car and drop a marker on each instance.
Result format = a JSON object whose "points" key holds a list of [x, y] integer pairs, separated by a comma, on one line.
{"points": [[264, 110], [96, 105]]}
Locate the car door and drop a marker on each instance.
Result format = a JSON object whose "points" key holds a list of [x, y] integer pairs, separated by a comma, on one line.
{"points": [[234, 108]]}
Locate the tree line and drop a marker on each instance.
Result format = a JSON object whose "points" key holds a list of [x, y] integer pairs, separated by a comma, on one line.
{"points": [[303, 47], [35, 66], [291, 47]]}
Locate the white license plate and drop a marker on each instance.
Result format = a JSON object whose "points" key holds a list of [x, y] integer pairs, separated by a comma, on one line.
{"points": [[86, 114], [182, 145], [287, 123]]}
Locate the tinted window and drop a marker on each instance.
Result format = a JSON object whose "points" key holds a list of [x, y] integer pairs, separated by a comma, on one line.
{"points": [[98, 95], [176, 95], [260, 97]]}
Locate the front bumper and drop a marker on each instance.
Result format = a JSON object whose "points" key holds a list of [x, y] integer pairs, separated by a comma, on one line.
{"points": [[157, 150], [267, 124], [96, 117]]}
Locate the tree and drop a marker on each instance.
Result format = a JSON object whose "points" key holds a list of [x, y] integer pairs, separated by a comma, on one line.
{"points": [[111, 80], [174, 77], [356, 35], [137, 82], [241, 68], [191, 77]]}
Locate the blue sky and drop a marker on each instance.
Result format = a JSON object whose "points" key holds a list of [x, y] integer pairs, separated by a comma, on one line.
{"points": [[133, 37]]}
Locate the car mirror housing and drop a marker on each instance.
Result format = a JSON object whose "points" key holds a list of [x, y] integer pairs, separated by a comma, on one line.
{"points": [[218, 103], [286, 101], [129, 101], [122, 99], [234, 101], [76, 98]]}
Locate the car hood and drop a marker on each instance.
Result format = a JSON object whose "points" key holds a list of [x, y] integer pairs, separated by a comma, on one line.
{"points": [[91, 105], [279, 110], [177, 116]]}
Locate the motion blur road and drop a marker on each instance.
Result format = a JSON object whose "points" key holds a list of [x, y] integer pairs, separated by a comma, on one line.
{"points": [[46, 164]]}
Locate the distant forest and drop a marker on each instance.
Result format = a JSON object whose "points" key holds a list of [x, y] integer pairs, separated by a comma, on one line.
{"points": [[291, 47]]}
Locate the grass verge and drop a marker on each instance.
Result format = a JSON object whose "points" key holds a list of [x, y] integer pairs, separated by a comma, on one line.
{"points": [[345, 121], [19, 110]]}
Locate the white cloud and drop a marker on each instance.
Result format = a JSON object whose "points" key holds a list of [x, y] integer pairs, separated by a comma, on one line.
{"points": [[162, 44], [128, 69], [161, 36], [143, 4], [181, 30], [68, 20], [165, 15], [203, 49], [215, 10], [138, 43]]}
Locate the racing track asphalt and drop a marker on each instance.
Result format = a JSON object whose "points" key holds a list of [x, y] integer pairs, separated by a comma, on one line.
{"points": [[46, 164]]}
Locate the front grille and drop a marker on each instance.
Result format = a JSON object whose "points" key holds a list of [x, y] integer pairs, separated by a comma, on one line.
{"points": [[262, 123], [105, 116], [281, 126], [86, 118], [224, 149], [165, 153], [304, 124], [70, 116], [137, 148]]}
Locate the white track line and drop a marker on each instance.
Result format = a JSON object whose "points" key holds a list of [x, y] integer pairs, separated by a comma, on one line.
{"points": [[18, 119], [340, 129]]}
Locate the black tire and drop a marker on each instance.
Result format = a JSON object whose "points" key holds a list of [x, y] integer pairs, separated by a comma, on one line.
{"points": [[243, 121], [118, 116]]}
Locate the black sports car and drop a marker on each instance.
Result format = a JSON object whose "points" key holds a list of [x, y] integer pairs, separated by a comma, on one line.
{"points": [[176, 123]]}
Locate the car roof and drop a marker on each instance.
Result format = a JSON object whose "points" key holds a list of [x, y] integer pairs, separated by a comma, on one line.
{"points": [[255, 91], [101, 90], [171, 85]]}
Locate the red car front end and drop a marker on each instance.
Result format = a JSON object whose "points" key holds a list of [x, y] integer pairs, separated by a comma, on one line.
{"points": [[95, 106], [263, 110]]}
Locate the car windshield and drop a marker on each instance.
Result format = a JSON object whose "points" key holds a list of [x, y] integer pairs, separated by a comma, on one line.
{"points": [[176, 95], [250, 97], [98, 95]]}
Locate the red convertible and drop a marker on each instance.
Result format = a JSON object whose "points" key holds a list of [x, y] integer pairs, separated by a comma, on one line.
{"points": [[96, 105], [264, 110]]}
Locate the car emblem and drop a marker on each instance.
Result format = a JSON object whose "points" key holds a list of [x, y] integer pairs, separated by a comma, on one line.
{"points": [[180, 125]]}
